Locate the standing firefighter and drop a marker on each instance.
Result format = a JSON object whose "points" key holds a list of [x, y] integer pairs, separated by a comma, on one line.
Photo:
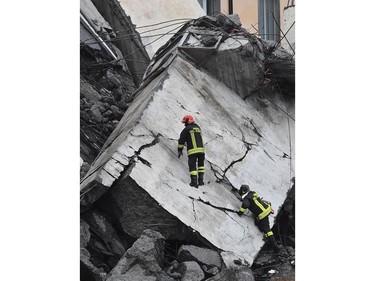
{"points": [[261, 210], [192, 136]]}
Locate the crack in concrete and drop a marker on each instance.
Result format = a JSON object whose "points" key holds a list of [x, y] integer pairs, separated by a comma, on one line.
{"points": [[284, 156], [137, 136], [261, 136], [114, 167], [216, 207], [215, 171], [269, 156], [243, 228], [248, 148], [242, 139], [93, 172], [192, 202], [225, 210], [131, 161], [170, 173], [168, 185], [155, 141], [144, 161], [109, 173], [255, 130], [217, 136], [137, 153], [118, 161]]}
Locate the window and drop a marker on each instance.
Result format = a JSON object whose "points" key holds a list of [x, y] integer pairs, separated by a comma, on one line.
{"points": [[211, 7]]}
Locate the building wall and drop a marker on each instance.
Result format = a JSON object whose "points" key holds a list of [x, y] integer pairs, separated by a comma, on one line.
{"points": [[248, 12], [289, 18], [155, 14]]}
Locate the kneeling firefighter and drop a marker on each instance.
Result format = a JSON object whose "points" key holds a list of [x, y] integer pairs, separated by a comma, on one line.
{"points": [[192, 136], [261, 210]]}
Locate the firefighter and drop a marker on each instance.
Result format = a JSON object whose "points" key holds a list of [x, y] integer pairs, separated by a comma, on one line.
{"points": [[261, 210], [192, 136]]}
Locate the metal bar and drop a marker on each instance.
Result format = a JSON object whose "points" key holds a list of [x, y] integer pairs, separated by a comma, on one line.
{"points": [[277, 12], [92, 30], [230, 7], [261, 18], [284, 36]]}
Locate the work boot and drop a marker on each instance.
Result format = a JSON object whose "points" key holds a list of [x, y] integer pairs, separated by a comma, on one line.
{"points": [[194, 181], [273, 244], [200, 179]]}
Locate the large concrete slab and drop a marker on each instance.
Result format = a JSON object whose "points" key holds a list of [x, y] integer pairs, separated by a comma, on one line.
{"points": [[244, 143]]}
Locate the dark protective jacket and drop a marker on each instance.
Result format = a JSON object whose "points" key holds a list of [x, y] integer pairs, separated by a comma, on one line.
{"points": [[192, 136], [256, 205]]}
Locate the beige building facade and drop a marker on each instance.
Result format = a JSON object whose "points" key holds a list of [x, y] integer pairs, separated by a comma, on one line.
{"points": [[263, 17], [248, 11]]}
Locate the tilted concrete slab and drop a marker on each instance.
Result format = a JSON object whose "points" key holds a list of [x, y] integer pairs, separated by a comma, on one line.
{"points": [[245, 144]]}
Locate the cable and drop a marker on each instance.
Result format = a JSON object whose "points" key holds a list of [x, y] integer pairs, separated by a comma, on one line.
{"points": [[129, 34], [153, 41], [185, 19], [122, 37]]}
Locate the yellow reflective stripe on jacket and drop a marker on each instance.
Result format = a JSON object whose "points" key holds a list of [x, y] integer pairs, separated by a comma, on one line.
{"points": [[180, 146], [193, 173], [194, 142], [265, 211], [268, 234], [195, 150], [242, 210]]}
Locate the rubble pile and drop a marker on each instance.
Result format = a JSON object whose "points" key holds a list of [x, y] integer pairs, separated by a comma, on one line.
{"points": [[109, 76], [135, 197]]}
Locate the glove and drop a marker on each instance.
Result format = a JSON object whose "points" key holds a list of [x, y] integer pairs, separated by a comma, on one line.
{"points": [[179, 154], [239, 213]]}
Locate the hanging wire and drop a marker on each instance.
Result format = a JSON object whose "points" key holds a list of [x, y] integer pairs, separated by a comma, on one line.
{"points": [[136, 33], [169, 32], [284, 35]]}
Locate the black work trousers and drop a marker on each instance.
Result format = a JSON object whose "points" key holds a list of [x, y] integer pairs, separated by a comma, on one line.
{"points": [[192, 161], [264, 226]]}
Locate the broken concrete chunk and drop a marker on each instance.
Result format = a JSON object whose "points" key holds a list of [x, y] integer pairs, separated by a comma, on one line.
{"points": [[201, 255], [85, 254], [263, 102], [235, 18], [147, 252], [190, 271], [85, 234], [96, 113], [162, 276], [239, 274], [212, 270], [103, 229], [135, 273], [87, 270]]}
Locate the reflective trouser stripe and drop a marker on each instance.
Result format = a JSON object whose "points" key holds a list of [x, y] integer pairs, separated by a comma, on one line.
{"points": [[195, 150], [268, 234], [201, 169], [242, 210], [193, 173]]}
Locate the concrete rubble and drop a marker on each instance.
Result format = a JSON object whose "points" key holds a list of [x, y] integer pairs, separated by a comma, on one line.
{"points": [[108, 74], [139, 157], [240, 89]]}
